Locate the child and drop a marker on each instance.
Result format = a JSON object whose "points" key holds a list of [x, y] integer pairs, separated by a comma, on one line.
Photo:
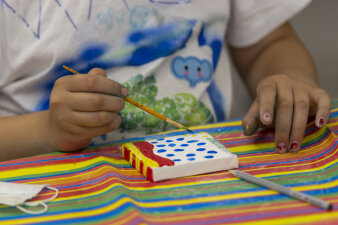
{"points": [[168, 55]]}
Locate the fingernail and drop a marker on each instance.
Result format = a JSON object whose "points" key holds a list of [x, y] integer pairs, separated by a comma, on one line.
{"points": [[281, 148], [247, 130], [267, 118], [124, 92], [294, 147], [320, 122]]}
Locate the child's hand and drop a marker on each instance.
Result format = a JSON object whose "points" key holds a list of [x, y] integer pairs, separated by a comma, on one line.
{"points": [[285, 103], [83, 106]]}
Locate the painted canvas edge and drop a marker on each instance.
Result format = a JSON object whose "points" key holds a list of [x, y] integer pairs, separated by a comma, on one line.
{"points": [[196, 168]]}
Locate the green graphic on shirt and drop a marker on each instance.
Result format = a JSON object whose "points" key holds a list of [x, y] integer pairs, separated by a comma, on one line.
{"points": [[182, 107]]}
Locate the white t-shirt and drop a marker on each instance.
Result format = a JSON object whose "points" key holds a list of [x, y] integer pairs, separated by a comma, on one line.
{"points": [[169, 54]]}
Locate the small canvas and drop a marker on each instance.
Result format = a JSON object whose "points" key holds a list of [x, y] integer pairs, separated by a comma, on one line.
{"points": [[179, 156]]}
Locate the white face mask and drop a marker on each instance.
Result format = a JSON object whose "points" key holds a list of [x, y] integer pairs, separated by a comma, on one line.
{"points": [[13, 194]]}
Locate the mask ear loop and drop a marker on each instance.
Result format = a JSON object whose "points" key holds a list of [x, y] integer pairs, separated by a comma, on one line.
{"points": [[45, 207], [54, 196], [37, 203]]}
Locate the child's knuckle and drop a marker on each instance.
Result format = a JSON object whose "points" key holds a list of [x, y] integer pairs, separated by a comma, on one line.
{"points": [[285, 103], [55, 101], [91, 82], [103, 117], [98, 101], [302, 103]]}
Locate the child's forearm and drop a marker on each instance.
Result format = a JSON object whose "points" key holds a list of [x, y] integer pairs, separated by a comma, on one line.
{"points": [[281, 52], [24, 135]]}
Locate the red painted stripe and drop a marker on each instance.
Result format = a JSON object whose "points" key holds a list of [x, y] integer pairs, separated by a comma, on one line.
{"points": [[127, 154], [141, 166], [147, 150], [133, 162], [150, 174]]}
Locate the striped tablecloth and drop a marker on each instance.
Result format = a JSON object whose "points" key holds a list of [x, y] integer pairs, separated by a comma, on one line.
{"points": [[98, 186]]}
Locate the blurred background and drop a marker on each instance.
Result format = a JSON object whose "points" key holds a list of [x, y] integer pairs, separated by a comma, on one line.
{"points": [[317, 27]]}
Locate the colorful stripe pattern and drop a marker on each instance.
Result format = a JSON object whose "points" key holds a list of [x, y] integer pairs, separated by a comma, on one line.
{"points": [[140, 155], [98, 186]]}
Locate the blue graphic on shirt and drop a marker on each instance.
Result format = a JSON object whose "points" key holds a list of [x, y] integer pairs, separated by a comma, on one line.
{"points": [[34, 28], [160, 42], [140, 47], [192, 69], [215, 45], [216, 99]]}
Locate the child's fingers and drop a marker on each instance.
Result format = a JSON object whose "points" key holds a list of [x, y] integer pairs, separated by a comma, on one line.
{"points": [[89, 83], [101, 72], [250, 123], [98, 131], [299, 120], [284, 110], [101, 130], [266, 97], [88, 120], [93, 102], [323, 101]]}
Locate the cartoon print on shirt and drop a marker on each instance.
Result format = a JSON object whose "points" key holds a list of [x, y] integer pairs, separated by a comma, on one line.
{"points": [[188, 63], [192, 69]]}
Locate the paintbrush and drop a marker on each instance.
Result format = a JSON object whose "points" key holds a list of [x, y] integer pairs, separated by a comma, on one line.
{"points": [[148, 110]]}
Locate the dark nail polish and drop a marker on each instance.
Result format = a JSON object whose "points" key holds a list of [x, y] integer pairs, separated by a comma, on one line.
{"points": [[294, 147], [321, 122], [244, 129], [281, 148]]}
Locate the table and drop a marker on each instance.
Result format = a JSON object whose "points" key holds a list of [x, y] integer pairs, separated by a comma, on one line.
{"points": [[98, 186]]}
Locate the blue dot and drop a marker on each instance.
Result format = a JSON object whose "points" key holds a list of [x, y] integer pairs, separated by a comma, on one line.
{"points": [[191, 159], [180, 139], [170, 155], [161, 150], [154, 142], [184, 145], [179, 150], [209, 156], [160, 139], [190, 155], [192, 141], [160, 145], [169, 141], [172, 145], [177, 160], [212, 152], [200, 149], [202, 143]]}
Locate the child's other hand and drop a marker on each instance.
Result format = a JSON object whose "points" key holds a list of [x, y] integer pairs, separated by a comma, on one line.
{"points": [[83, 106], [285, 103]]}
